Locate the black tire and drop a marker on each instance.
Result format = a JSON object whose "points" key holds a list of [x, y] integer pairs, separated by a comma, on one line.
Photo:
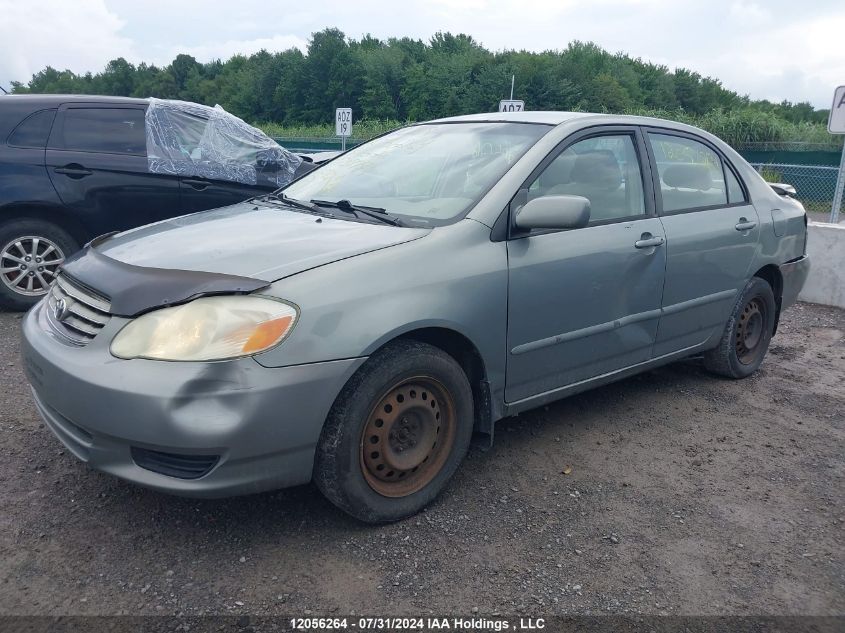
{"points": [[747, 333], [344, 469], [24, 229]]}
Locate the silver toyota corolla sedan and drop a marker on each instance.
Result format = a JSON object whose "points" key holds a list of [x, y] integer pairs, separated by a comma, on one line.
{"points": [[361, 326]]}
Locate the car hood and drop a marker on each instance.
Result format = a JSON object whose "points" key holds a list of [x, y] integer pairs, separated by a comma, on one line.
{"points": [[250, 240]]}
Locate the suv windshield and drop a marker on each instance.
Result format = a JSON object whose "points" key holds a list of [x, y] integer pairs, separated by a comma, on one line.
{"points": [[427, 174]]}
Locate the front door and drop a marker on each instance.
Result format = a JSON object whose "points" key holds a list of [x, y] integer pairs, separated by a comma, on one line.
{"points": [[586, 302], [96, 158], [712, 232]]}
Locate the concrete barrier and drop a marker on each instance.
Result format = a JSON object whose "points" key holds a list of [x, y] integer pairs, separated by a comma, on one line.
{"points": [[826, 248]]}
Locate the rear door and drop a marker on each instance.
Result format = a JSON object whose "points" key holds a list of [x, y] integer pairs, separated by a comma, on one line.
{"points": [[586, 302], [199, 194], [96, 158], [214, 190], [711, 237]]}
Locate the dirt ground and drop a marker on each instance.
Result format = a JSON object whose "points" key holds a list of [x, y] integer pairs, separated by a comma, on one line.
{"points": [[688, 494]]}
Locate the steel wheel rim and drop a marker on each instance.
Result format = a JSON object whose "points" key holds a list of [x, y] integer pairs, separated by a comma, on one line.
{"points": [[408, 437], [28, 264], [750, 330]]}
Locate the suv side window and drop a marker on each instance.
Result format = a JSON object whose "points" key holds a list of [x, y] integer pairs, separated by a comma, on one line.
{"points": [[690, 173], [108, 130], [33, 130], [603, 169]]}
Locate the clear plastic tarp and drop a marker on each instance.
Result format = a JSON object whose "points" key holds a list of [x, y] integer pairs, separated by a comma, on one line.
{"points": [[189, 139]]}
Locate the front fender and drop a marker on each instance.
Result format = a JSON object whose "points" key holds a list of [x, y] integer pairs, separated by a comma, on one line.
{"points": [[456, 279]]}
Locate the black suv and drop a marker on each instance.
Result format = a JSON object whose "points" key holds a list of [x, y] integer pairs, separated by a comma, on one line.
{"points": [[73, 167]]}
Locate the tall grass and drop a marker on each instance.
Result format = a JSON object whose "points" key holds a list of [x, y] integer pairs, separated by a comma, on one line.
{"points": [[361, 130], [740, 128]]}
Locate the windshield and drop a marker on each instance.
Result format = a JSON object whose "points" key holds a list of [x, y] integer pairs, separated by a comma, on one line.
{"points": [[427, 174]]}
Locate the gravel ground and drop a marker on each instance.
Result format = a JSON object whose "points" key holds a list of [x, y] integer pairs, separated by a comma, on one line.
{"points": [[688, 494]]}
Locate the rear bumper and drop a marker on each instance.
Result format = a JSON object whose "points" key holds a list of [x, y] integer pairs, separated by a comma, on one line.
{"points": [[794, 274]]}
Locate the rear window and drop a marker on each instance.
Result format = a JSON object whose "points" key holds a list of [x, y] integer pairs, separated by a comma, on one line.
{"points": [[735, 193], [691, 175], [108, 130], [33, 130]]}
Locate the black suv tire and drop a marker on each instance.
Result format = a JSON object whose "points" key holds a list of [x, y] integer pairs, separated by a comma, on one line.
{"points": [[23, 242]]}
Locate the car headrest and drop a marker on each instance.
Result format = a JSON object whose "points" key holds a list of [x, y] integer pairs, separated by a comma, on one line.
{"points": [[688, 176], [597, 168]]}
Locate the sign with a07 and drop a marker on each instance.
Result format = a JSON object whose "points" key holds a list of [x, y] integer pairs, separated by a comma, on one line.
{"points": [[343, 122], [511, 105]]}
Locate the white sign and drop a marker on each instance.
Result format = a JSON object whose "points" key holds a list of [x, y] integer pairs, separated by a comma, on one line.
{"points": [[511, 105], [836, 122], [343, 122]]}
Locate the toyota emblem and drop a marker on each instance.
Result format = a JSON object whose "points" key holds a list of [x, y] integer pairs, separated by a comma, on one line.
{"points": [[61, 310]]}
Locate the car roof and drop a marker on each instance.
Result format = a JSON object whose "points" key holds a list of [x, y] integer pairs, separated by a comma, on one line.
{"points": [[558, 117], [50, 99], [537, 116]]}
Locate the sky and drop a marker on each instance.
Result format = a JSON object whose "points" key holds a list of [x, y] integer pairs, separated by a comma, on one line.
{"points": [[770, 49]]}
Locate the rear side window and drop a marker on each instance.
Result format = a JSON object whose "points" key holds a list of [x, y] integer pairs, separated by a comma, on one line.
{"points": [[108, 130], [735, 193], [691, 173], [33, 130]]}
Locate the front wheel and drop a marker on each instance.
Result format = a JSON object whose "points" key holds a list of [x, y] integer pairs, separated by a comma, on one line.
{"points": [[396, 433], [31, 252], [747, 333]]}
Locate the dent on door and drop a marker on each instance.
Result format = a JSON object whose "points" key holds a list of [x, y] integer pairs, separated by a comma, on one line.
{"points": [[709, 256]]}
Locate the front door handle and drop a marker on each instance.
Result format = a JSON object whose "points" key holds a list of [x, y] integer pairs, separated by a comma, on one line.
{"points": [[647, 240], [199, 185], [745, 224], [73, 170]]}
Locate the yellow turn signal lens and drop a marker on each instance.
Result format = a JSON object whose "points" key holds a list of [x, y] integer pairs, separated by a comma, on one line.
{"points": [[267, 334]]}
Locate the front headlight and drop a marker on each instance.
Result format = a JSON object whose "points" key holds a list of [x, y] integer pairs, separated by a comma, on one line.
{"points": [[210, 328]]}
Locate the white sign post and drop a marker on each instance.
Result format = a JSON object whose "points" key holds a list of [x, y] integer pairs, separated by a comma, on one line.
{"points": [[343, 125], [836, 125], [511, 105]]}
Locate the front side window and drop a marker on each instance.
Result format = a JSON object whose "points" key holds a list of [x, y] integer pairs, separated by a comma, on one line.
{"points": [[34, 130], [108, 130], [427, 174], [603, 169], [690, 173]]}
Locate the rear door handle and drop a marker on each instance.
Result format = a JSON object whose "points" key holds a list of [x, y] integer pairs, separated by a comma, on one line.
{"points": [[647, 241], [199, 185], [745, 224], [73, 170]]}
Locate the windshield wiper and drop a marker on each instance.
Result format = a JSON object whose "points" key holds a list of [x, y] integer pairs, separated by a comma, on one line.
{"points": [[293, 202], [376, 213]]}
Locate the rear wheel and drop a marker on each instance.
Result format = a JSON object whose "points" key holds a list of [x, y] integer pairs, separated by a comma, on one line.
{"points": [[396, 434], [747, 333], [31, 252]]}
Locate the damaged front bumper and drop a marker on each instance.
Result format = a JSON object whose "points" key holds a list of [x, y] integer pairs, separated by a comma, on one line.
{"points": [[203, 429]]}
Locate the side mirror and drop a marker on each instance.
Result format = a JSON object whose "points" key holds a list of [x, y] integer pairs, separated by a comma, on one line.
{"points": [[554, 212]]}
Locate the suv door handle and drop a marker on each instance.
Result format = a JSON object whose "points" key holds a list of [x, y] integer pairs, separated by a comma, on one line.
{"points": [[647, 240], [199, 185], [73, 170], [745, 224]]}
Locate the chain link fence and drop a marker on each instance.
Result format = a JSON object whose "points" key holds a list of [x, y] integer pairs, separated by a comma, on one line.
{"points": [[815, 185]]}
